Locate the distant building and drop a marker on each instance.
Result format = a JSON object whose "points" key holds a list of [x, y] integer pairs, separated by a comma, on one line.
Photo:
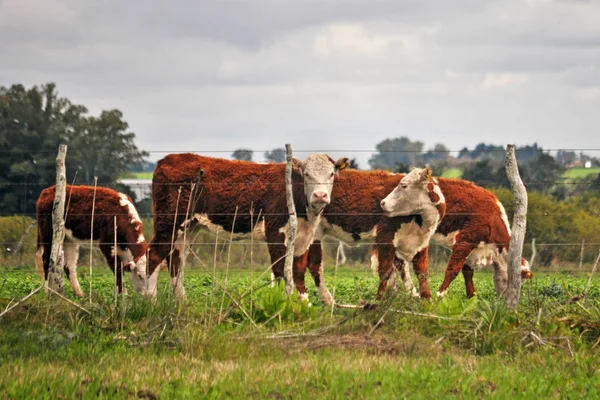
{"points": [[141, 187]]}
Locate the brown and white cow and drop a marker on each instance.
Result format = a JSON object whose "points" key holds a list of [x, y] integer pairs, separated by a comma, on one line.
{"points": [[476, 228], [131, 244], [472, 211], [355, 215], [230, 195]]}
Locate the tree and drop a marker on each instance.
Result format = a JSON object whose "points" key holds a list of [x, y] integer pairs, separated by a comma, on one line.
{"points": [[242, 155], [485, 173], [276, 155], [392, 152], [105, 147], [439, 152], [32, 124], [542, 174], [353, 164]]}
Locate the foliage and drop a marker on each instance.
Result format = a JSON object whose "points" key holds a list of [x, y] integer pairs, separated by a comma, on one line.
{"points": [[391, 152], [276, 155], [242, 155], [33, 122]]}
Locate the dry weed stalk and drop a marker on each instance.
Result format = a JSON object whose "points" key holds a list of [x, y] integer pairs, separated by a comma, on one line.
{"points": [[92, 234], [228, 261]]}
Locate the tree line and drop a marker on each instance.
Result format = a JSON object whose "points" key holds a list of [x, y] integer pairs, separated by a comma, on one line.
{"points": [[34, 121]]}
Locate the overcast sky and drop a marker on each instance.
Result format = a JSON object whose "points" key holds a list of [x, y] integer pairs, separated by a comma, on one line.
{"points": [[204, 75]]}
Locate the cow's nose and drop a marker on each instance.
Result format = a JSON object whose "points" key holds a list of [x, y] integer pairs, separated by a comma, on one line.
{"points": [[382, 203], [320, 196]]}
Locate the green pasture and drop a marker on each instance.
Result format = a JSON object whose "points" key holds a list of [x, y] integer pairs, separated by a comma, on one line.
{"points": [[273, 347]]}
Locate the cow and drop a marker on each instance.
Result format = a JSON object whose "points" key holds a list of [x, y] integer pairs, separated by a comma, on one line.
{"points": [[131, 244], [472, 211], [355, 216], [235, 196], [477, 230]]}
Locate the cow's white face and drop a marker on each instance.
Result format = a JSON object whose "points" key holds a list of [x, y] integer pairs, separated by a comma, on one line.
{"points": [[319, 172], [137, 275], [415, 193]]}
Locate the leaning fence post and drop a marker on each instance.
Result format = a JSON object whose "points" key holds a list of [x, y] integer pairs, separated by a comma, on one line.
{"points": [[518, 228], [288, 272], [55, 273]]}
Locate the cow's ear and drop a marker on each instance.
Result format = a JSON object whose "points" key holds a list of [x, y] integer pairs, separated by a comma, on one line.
{"points": [[342, 163], [426, 174], [296, 163]]}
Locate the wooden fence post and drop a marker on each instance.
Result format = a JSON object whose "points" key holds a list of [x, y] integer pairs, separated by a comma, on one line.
{"points": [[55, 274], [518, 228], [288, 271]]}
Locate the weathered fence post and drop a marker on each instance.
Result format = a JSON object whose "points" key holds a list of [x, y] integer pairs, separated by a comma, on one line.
{"points": [[533, 253], [518, 228], [55, 273], [288, 272]]}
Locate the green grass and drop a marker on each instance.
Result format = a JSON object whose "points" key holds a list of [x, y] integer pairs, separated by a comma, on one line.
{"points": [[579, 173], [131, 348], [452, 173], [139, 175]]}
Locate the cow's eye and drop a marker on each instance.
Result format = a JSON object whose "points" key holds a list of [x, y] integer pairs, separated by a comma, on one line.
{"points": [[404, 186]]}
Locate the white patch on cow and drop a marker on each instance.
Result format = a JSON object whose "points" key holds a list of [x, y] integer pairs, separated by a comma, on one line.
{"points": [[324, 293], [339, 233], [448, 240], [203, 220], [272, 285], [375, 264], [134, 217], [152, 283], [302, 297], [71, 253], [412, 238], [131, 211], [305, 233], [441, 294], [482, 256], [69, 236], [504, 217]]}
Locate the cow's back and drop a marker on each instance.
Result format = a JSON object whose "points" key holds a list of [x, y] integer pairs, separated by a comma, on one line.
{"points": [[223, 185], [471, 206]]}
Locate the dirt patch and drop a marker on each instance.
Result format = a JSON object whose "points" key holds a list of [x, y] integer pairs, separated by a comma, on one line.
{"points": [[410, 345]]}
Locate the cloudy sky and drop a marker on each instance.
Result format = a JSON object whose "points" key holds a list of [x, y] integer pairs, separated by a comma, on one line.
{"points": [[207, 75]]}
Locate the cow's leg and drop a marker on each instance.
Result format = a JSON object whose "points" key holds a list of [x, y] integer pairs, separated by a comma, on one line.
{"points": [[401, 266], [421, 271], [460, 252], [315, 266], [277, 250], [109, 253], [71, 250], [158, 251], [385, 266], [468, 275], [500, 277], [178, 256], [299, 271]]}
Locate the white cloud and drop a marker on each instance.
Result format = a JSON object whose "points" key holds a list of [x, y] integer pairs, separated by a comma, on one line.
{"points": [[503, 80]]}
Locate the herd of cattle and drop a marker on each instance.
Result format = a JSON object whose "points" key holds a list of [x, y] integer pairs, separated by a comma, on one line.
{"points": [[398, 213]]}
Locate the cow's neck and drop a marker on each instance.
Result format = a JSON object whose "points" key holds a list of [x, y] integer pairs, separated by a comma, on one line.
{"points": [[431, 217]]}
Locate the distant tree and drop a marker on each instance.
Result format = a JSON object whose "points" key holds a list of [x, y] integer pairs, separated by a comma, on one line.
{"points": [[276, 155], [32, 124], [105, 147], [242, 155], [529, 153], [439, 152], [543, 174], [392, 152], [353, 164], [485, 173]]}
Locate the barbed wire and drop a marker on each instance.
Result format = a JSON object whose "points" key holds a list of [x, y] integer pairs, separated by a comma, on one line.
{"points": [[500, 150], [246, 242], [297, 184]]}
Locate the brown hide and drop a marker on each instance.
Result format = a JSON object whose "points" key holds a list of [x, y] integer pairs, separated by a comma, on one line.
{"points": [[222, 185], [470, 209], [78, 211]]}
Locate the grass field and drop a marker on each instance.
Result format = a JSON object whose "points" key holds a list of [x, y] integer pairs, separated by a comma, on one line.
{"points": [[452, 173], [140, 175], [206, 347], [579, 173]]}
